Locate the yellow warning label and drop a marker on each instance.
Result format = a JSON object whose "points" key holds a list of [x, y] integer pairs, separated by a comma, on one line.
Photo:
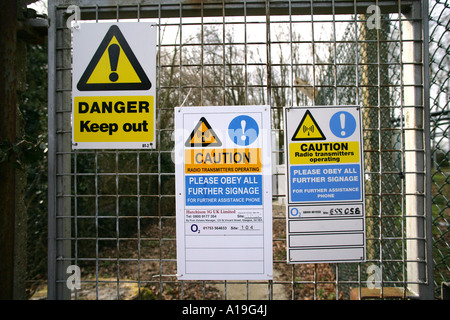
{"points": [[324, 152], [308, 129], [223, 160], [114, 66], [113, 119], [203, 136]]}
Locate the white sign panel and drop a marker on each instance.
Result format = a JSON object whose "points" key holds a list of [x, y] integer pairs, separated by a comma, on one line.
{"points": [[325, 184], [113, 85], [223, 193]]}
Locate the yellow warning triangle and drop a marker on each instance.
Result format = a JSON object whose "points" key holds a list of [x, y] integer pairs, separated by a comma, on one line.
{"points": [[121, 72], [114, 66], [308, 129], [203, 136]]}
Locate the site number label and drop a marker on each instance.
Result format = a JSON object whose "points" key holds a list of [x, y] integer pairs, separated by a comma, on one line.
{"points": [[345, 211]]}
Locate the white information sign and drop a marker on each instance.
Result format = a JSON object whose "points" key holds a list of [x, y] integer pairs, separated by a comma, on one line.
{"points": [[223, 193], [113, 85], [325, 184]]}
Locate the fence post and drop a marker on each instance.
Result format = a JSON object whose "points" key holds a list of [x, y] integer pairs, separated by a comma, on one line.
{"points": [[51, 253], [59, 159], [418, 236]]}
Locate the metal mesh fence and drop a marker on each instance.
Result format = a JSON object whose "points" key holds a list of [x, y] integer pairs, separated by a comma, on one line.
{"points": [[439, 73], [112, 212], [380, 57]]}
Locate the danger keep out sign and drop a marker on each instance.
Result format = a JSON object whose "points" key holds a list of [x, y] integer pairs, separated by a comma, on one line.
{"points": [[223, 193], [113, 87], [325, 184]]}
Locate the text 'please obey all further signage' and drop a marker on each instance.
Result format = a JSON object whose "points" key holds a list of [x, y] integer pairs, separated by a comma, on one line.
{"points": [[223, 193], [113, 87], [325, 184]]}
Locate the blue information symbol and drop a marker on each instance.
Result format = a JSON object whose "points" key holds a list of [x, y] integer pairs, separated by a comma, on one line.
{"points": [[342, 124], [243, 130]]}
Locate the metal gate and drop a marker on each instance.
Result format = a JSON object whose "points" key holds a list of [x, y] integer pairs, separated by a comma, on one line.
{"points": [[112, 212]]}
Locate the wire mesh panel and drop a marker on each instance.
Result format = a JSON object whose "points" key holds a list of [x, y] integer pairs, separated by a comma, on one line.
{"points": [[112, 212], [440, 110]]}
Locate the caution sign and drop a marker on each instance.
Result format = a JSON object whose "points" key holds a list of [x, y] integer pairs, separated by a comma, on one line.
{"points": [[223, 193], [114, 70], [325, 184], [203, 136], [308, 129]]}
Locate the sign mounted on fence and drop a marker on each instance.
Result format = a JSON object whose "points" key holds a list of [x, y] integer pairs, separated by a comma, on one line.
{"points": [[223, 193], [325, 184], [113, 89]]}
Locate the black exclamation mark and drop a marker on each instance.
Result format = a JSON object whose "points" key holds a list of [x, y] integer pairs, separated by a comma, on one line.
{"points": [[114, 51]]}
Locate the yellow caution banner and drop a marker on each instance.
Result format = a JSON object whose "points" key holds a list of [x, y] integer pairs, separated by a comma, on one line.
{"points": [[241, 160], [324, 152]]}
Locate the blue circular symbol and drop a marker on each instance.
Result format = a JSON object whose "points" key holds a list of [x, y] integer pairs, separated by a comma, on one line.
{"points": [[194, 228], [243, 130], [295, 212], [342, 124]]}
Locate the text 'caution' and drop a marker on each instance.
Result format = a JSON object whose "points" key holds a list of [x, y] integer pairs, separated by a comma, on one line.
{"points": [[324, 152], [223, 160]]}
